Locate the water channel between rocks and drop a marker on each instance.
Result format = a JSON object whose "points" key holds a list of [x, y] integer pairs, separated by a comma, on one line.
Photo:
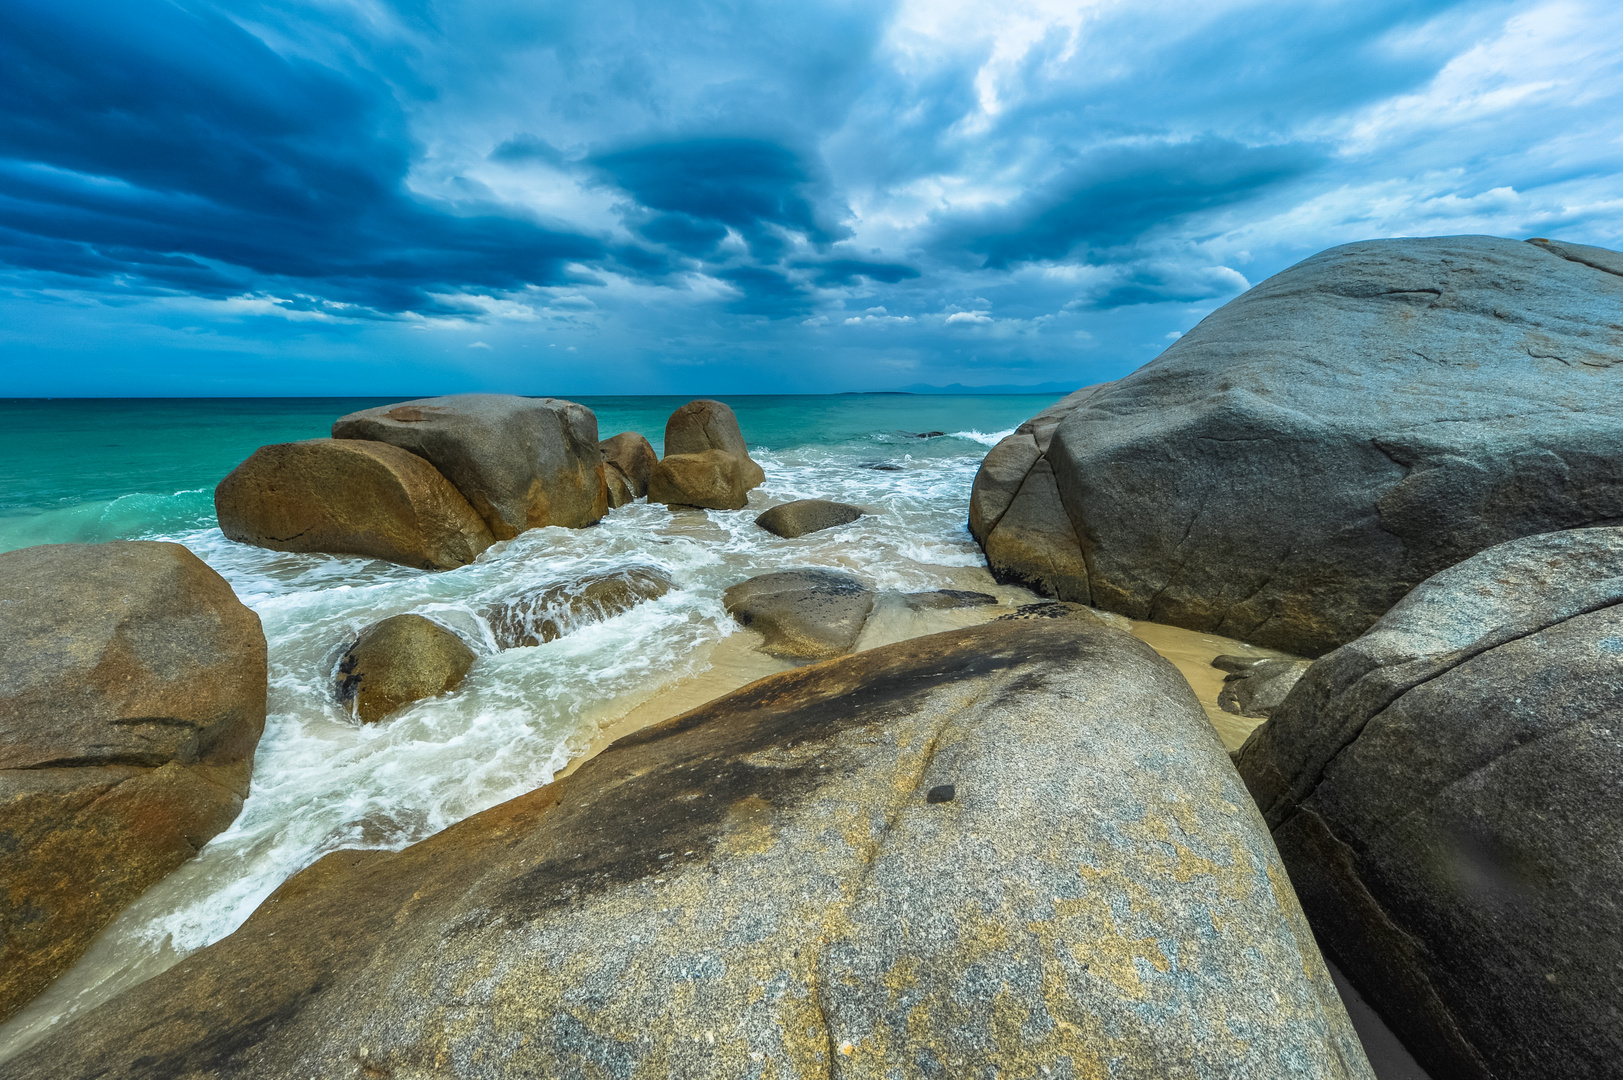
{"points": [[322, 782]]}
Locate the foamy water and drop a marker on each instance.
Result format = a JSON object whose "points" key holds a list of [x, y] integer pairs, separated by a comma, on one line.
{"points": [[322, 782]]}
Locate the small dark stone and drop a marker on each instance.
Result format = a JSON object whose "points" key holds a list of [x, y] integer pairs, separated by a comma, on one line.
{"points": [[941, 793], [929, 434], [881, 466]]}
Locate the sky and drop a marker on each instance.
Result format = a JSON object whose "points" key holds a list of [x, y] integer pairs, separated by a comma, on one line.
{"points": [[363, 197]]}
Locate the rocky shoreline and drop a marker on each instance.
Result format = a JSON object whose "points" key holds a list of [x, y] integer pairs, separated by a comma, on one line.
{"points": [[943, 836]]}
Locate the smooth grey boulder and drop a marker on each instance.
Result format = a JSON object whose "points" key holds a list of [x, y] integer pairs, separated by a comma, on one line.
{"points": [[1255, 687], [795, 519], [132, 699], [803, 614], [704, 425], [397, 661], [1296, 463], [1447, 793], [537, 616], [523, 463], [1016, 850]]}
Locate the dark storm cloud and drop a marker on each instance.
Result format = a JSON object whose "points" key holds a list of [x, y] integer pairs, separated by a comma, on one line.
{"points": [[1117, 194], [138, 133]]}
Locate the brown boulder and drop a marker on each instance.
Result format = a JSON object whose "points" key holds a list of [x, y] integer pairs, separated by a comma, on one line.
{"points": [[795, 519], [633, 456], [803, 614], [705, 425], [399, 660], [132, 696], [350, 497], [552, 611], [522, 463], [621, 492], [713, 480]]}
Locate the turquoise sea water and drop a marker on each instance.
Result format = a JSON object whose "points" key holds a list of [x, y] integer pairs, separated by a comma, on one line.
{"points": [[83, 471], [88, 470]]}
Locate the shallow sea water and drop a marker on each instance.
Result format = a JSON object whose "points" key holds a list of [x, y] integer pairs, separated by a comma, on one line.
{"points": [[93, 471]]}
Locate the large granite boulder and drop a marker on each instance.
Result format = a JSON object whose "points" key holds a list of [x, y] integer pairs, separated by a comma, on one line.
{"points": [[792, 520], [132, 696], [398, 660], [803, 614], [713, 480], [1314, 449], [522, 463], [536, 616], [705, 425], [350, 497], [1447, 792], [1014, 850], [634, 458]]}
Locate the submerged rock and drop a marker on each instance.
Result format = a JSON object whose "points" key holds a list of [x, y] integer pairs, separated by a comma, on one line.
{"points": [[350, 497], [132, 696], [803, 614], [522, 463], [550, 612], [1447, 792], [1012, 850], [794, 519], [632, 455], [713, 480], [1290, 468], [1255, 687], [399, 660], [704, 425]]}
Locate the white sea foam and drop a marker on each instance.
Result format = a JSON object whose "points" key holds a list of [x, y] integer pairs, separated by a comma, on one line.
{"points": [[982, 437], [322, 782]]}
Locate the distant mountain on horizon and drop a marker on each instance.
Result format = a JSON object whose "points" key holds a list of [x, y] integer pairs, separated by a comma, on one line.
{"points": [[998, 388]]}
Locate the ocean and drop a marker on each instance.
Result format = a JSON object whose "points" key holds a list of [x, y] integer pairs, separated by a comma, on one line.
{"points": [[84, 471]]}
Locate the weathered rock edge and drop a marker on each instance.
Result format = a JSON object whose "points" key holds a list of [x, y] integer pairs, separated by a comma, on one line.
{"points": [[1315, 448], [1445, 791], [132, 697], [762, 887]]}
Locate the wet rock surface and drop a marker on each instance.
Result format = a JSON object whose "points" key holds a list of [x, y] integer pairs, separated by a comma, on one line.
{"points": [[350, 497], [712, 480], [939, 599], [522, 463], [548, 613], [1447, 792], [132, 697], [1285, 472], [803, 614], [795, 519], [997, 850], [401, 659]]}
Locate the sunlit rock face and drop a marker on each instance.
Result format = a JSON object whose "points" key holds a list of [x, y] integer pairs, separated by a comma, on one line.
{"points": [[1017, 849], [1290, 468], [523, 463], [350, 497], [132, 696], [1447, 793]]}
